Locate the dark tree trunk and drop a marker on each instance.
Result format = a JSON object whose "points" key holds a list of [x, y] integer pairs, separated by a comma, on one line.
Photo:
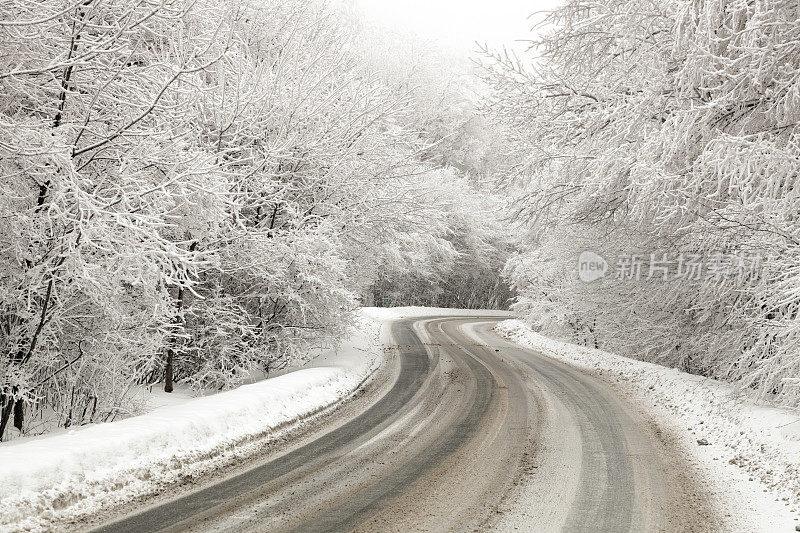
{"points": [[19, 414], [8, 405], [168, 372]]}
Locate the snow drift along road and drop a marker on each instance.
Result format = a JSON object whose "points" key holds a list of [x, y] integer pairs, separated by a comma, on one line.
{"points": [[75, 474]]}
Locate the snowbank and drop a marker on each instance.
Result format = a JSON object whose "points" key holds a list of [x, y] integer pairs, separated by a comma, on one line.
{"points": [[739, 443], [395, 313], [59, 477]]}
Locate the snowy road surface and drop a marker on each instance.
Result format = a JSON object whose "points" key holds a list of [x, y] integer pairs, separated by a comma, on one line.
{"points": [[467, 432]]}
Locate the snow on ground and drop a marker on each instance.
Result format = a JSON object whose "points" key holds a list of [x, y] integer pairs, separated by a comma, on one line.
{"points": [[395, 313], [75, 473], [749, 454]]}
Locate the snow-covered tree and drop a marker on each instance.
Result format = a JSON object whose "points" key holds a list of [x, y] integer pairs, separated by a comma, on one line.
{"points": [[96, 156], [196, 190], [662, 127]]}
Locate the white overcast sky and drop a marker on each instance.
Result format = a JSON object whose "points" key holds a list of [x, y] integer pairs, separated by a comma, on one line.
{"points": [[459, 23]]}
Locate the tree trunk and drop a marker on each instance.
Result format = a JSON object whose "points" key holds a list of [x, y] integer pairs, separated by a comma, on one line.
{"points": [[168, 372], [19, 414], [6, 412]]}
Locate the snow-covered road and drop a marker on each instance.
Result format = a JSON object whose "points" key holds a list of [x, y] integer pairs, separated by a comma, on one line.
{"points": [[461, 424], [470, 432]]}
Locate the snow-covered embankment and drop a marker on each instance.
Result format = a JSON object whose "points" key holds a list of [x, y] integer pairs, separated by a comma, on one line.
{"points": [[55, 478]]}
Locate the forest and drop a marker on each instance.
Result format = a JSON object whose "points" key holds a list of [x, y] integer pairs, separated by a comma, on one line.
{"points": [[197, 191], [663, 137]]}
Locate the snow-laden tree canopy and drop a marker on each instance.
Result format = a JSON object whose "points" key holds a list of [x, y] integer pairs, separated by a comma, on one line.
{"points": [[659, 129], [193, 190]]}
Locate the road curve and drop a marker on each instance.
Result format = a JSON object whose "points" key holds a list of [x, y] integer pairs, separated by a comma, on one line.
{"points": [[472, 433]]}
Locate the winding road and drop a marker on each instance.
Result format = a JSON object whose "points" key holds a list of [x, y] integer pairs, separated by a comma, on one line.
{"points": [[466, 432]]}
